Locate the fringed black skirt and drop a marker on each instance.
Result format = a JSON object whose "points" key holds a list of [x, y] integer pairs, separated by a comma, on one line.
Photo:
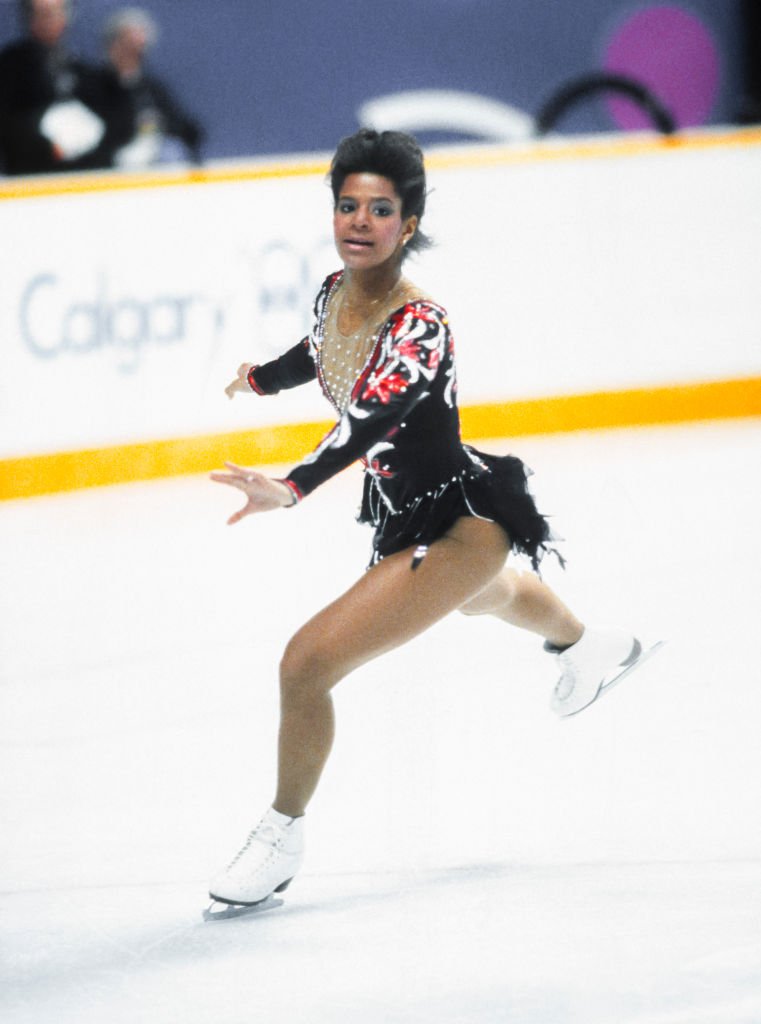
{"points": [[491, 487]]}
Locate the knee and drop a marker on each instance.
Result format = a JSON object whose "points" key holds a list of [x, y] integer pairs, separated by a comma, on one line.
{"points": [[307, 667]]}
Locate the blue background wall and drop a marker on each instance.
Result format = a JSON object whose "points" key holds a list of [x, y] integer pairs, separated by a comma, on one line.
{"points": [[282, 76]]}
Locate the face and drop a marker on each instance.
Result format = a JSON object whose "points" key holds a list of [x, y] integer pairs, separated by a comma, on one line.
{"points": [[48, 20], [367, 222], [128, 48]]}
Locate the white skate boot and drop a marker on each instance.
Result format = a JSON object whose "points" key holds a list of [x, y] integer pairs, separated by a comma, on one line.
{"points": [[271, 856], [593, 665]]}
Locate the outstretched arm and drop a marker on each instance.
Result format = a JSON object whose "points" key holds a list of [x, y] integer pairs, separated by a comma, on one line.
{"points": [[293, 368], [262, 492]]}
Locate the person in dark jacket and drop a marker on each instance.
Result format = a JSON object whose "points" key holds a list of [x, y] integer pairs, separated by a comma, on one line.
{"points": [[140, 110], [48, 98]]}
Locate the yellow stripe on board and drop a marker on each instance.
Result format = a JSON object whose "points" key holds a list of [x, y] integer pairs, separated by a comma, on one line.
{"points": [[682, 403], [33, 475], [487, 155], [71, 184]]}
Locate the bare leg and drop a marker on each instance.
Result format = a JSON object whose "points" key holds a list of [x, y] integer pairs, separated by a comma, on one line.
{"points": [[388, 606], [521, 599]]}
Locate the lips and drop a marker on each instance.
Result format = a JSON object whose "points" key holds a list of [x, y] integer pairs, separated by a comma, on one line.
{"points": [[359, 243]]}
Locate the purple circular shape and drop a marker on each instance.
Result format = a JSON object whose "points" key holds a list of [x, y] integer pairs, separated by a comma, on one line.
{"points": [[670, 51]]}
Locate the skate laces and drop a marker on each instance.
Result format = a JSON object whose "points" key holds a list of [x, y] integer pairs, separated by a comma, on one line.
{"points": [[266, 832]]}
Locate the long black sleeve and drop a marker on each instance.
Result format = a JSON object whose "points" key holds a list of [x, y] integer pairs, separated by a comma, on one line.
{"points": [[411, 356], [293, 368]]}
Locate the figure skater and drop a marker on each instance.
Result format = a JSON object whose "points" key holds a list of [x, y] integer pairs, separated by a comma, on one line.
{"points": [[445, 516]]}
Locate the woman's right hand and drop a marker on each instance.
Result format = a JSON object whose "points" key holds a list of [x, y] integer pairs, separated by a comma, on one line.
{"points": [[263, 493], [241, 381]]}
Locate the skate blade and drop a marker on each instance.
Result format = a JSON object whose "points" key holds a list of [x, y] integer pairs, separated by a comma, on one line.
{"points": [[218, 911], [645, 653]]}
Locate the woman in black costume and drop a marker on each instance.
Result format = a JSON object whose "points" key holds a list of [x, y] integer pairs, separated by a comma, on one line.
{"points": [[445, 515]]}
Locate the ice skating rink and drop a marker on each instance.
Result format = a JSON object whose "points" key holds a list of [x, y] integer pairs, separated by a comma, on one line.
{"points": [[471, 858]]}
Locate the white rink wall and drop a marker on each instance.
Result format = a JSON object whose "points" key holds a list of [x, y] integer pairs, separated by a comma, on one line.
{"points": [[124, 312]]}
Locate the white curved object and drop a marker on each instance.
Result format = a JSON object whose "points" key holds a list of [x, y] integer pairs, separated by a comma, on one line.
{"points": [[447, 110], [72, 127]]}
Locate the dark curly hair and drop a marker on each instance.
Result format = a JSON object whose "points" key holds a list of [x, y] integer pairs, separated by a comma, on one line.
{"points": [[393, 155]]}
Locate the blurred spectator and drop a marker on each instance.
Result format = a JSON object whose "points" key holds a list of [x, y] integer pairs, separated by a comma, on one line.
{"points": [[141, 112], [750, 102], [47, 98]]}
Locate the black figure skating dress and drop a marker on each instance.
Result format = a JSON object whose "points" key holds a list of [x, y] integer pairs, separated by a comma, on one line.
{"points": [[393, 385]]}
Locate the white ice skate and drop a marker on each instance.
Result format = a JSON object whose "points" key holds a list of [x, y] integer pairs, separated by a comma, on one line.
{"points": [[271, 856], [593, 665]]}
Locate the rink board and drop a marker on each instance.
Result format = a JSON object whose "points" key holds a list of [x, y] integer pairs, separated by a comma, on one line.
{"points": [[590, 283]]}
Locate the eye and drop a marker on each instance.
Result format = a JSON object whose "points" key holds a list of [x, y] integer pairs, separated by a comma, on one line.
{"points": [[346, 206], [382, 210]]}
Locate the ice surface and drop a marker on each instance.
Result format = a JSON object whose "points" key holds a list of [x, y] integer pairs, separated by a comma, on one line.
{"points": [[471, 858]]}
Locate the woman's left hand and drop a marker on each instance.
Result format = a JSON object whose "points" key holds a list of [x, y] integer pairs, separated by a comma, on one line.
{"points": [[263, 493], [240, 384]]}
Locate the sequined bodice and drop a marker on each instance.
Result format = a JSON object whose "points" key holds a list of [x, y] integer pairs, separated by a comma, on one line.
{"points": [[344, 357]]}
